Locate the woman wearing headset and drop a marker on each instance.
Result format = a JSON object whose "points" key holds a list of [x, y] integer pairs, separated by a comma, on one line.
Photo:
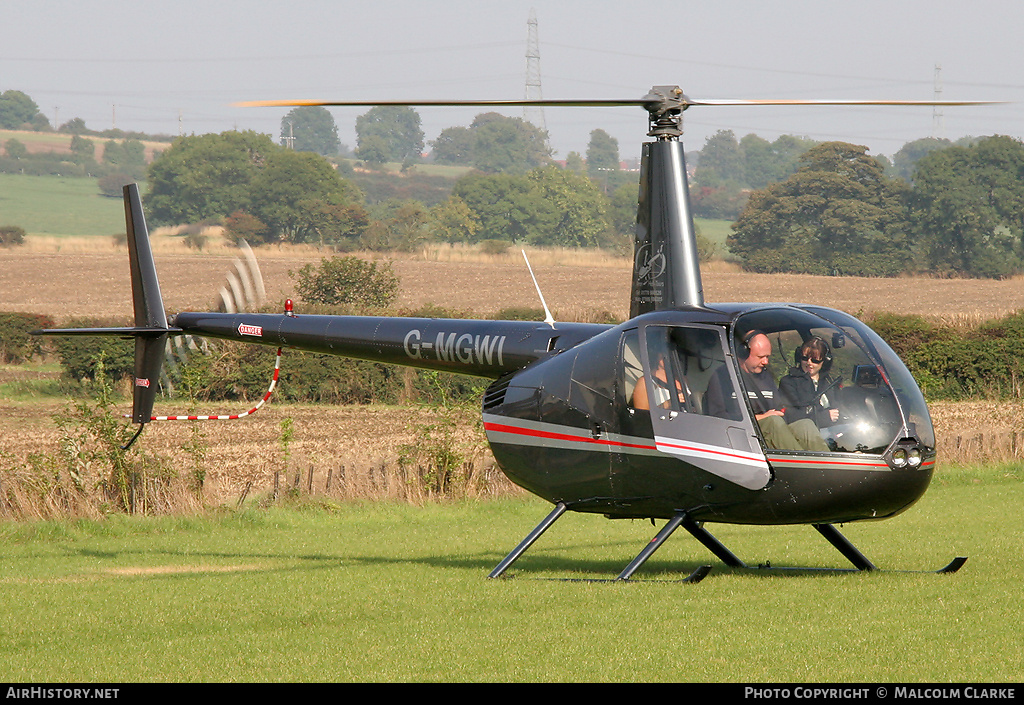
{"points": [[810, 390]]}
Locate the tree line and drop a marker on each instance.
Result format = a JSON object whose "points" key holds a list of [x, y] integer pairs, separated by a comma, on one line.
{"points": [[265, 192], [959, 213], [491, 143], [118, 162], [119, 159], [797, 205]]}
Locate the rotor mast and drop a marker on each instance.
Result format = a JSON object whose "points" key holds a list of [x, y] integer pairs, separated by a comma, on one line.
{"points": [[666, 266]]}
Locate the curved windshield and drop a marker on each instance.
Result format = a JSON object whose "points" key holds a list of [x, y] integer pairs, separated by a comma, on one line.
{"points": [[834, 372]]}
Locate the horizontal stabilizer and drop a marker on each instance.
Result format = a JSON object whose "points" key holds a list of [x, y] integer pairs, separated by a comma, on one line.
{"points": [[123, 332]]}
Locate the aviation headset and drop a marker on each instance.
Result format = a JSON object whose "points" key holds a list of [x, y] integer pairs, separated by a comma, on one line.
{"points": [[744, 346]]}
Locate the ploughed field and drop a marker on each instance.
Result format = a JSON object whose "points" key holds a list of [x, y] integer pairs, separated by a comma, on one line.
{"points": [[74, 284]]}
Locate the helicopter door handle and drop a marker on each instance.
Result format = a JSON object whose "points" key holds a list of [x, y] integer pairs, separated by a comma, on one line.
{"points": [[595, 430]]}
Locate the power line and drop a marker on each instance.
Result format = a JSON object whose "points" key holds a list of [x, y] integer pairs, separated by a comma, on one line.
{"points": [[938, 121], [533, 114]]}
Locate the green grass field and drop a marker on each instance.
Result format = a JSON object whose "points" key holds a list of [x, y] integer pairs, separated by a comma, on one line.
{"points": [[717, 231], [385, 592], [53, 205]]}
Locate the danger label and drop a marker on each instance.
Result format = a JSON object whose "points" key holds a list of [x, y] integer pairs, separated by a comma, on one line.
{"points": [[246, 329]]}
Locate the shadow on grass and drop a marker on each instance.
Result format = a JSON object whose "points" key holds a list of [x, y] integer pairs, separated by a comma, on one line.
{"points": [[541, 563]]}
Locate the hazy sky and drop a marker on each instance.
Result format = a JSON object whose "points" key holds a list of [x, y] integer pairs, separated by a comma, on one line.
{"points": [[177, 66]]}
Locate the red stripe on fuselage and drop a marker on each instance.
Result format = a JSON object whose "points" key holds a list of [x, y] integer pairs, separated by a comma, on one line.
{"points": [[504, 428]]}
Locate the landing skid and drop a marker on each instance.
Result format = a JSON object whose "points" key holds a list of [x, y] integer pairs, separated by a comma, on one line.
{"points": [[952, 567], [831, 534], [697, 530], [696, 576]]}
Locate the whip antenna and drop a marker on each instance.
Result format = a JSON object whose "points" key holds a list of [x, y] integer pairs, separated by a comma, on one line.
{"points": [[548, 318]]}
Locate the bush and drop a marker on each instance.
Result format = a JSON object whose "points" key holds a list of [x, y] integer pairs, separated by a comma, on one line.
{"points": [[196, 241], [112, 185], [805, 259], [16, 344], [348, 281], [241, 372], [243, 226], [520, 313], [793, 258], [958, 362], [95, 446], [11, 235], [494, 247], [42, 164], [874, 264]]}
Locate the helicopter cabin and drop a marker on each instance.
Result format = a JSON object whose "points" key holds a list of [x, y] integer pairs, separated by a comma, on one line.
{"points": [[670, 408]]}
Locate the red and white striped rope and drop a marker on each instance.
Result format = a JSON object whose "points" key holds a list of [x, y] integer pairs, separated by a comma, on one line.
{"points": [[270, 390]]}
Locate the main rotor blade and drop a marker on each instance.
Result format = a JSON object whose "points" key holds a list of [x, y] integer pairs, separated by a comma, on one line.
{"points": [[442, 103], [849, 101], [683, 102]]}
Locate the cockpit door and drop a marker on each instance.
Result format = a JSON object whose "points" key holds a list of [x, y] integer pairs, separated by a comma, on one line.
{"points": [[687, 377]]}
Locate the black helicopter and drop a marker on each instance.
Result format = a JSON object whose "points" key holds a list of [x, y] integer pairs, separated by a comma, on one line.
{"points": [[562, 415]]}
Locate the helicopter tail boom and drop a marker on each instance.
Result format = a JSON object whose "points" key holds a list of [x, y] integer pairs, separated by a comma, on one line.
{"points": [[473, 347]]}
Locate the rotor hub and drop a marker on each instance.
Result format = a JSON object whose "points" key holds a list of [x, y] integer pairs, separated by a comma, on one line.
{"points": [[665, 105]]}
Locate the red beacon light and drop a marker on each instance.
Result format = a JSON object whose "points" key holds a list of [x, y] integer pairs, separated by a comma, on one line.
{"points": [[289, 308]]}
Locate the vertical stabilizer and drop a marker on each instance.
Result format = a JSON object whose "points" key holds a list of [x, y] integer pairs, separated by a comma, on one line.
{"points": [[149, 305], [666, 266], [150, 317], [150, 330]]}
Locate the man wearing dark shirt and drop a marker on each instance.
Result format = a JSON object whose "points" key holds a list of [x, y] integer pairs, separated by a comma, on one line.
{"points": [[765, 401]]}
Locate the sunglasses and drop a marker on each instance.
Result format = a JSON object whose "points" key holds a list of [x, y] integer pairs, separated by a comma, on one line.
{"points": [[815, 360]]}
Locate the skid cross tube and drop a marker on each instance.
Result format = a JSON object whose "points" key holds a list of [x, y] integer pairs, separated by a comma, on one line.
{"points": [[698, 531], [653, 546], [511, 558], [843, 545]]}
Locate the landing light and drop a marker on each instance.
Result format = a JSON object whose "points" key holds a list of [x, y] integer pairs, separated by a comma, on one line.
{"points": [[906, 455]]}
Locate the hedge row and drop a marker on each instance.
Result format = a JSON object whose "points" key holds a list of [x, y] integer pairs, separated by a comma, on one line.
{"points": [[238, 371], [959, 361]]}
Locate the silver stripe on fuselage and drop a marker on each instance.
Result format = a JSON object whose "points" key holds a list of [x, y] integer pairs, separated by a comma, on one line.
{"points": [[690, 449], [502, 429]]}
